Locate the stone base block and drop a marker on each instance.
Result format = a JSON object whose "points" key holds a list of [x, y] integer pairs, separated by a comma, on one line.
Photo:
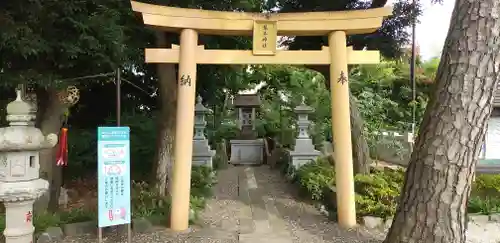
{"points": [[247, 152], [302, 158], [202, 153], [203, 160]]}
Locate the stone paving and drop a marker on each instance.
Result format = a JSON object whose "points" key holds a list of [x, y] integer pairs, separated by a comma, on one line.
{"points": [[253, 204]]}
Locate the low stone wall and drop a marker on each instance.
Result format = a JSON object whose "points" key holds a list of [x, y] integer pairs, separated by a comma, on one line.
{"points": [[394, 148]]}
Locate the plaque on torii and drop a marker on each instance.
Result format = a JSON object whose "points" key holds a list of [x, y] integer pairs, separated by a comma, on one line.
{"points": [[265, 29], [265, 36]]}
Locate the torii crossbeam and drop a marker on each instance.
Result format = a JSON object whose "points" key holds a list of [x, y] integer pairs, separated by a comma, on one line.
{"points": [[265, 29]]}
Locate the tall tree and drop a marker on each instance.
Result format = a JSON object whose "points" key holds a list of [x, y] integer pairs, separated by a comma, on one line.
{"points": [[438, 179], [167, 90], [51, 44]]}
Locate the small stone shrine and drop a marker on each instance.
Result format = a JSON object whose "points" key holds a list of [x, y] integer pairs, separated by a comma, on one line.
{"points": [[20, 184], [304, 150], [247, 148], [202, 153]]}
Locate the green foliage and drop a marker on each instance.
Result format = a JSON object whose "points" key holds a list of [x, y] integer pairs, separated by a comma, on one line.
{"points": [[484, 205], [202, 181], [485, 196], [377, 194], [58, 40], [224, 130], [284, 88], [384, 96], [316, 177], [488, 183], [147, 202]]}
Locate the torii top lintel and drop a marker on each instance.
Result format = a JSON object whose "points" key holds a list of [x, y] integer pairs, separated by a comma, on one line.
{"points": [[239, 23]]}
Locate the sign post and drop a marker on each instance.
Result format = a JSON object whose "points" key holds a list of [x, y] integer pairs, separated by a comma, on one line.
{"points": [[113, 166]]}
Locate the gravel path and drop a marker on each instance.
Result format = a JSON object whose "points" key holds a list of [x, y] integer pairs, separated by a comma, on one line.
{"points": [[252, 204]]}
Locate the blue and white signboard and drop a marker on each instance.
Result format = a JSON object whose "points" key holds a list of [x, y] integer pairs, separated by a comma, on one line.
{"points": [[113, 165]]}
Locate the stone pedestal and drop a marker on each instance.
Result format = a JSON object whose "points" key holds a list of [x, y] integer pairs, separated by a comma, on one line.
{"points": [[202, 153], [304, 151], [247, 152], [20, 185]]}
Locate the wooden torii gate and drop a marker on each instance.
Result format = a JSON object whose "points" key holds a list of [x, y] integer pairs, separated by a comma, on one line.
{"points": [[265, 30]]}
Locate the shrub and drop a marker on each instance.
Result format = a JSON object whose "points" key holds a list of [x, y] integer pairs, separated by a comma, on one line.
{"points": [[377, 194], [485, 196], [489, 184], [486, 205], [203, 180], [315, 177], [147, 202]]}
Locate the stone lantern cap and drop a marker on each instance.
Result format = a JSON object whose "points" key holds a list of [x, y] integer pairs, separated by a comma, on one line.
{"points": [[19, 112], [303, 108], [21, 135], [199, 107]]}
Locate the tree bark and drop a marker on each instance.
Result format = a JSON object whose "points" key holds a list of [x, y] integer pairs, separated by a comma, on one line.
{"points": [[360, 149], [438, 179], [167, 89], [50, 119]]}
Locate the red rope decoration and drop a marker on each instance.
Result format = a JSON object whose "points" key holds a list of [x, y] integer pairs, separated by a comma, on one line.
{"points": [[62, 151]]}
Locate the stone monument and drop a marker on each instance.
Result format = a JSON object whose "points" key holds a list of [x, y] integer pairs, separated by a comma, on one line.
{"points": [[20, 184], [247, 148], [304, 150], [202, 153]]}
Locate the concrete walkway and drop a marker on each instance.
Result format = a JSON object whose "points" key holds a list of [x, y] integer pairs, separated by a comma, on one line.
{"points": [[255, 204]]}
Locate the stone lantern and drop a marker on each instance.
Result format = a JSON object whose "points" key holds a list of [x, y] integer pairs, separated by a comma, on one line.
{"points": [[202, 153], [247, 148], [20, 184], [304, 150]]}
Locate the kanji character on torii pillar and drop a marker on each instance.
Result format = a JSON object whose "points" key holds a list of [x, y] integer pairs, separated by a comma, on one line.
{"points": [[265, 29]]}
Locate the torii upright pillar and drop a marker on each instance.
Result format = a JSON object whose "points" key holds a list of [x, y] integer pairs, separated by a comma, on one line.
{"points": [[183, 151], [341, 126]]}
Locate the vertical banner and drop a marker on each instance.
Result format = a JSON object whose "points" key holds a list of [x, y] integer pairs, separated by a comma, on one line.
{"points": [[113, 166]]}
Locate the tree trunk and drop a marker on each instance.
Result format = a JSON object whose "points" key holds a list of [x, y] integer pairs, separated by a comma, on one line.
{"points": [[50, 119], [167, 89], [438, 179], [360, 149]]}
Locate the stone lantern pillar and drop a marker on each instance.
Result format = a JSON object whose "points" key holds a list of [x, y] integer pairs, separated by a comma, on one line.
{"points": [[304, 150], [20, 184], [202, 153]]}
